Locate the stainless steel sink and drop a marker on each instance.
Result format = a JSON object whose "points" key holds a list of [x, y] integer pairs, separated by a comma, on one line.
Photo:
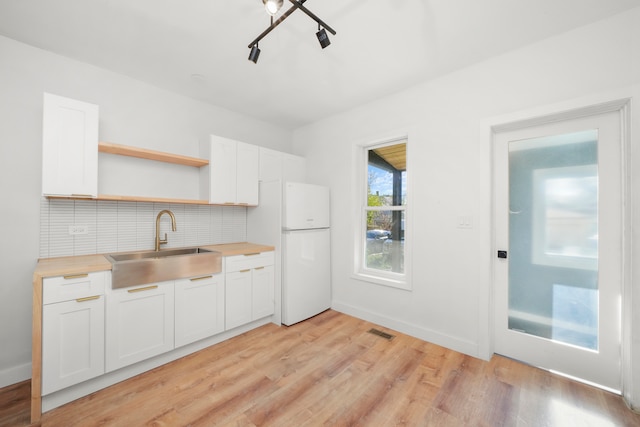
{"points": [[138, 268]]}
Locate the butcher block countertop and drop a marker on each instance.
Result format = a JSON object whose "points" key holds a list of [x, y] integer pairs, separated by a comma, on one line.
{"points": [[50, 267], [229, 249]]}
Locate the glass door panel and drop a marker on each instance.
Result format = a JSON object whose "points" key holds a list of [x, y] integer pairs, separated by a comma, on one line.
{"points": [[553, 237]]}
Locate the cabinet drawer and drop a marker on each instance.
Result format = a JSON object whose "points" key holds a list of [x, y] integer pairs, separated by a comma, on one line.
{"points": [[248, 261], [65, 288]]}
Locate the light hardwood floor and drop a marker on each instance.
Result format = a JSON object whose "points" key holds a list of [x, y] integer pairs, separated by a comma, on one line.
{"points": [[330, 371]]}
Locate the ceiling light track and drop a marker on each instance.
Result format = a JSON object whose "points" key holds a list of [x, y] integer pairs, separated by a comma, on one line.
{"points": [[296, 4]]}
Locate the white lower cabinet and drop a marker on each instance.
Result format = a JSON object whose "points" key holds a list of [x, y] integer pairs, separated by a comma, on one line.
{"points": [[250, 288], [199, 305], [72, 342], [262, 292], [89, 329], [140, 323], [238, 300], [72, 329]]}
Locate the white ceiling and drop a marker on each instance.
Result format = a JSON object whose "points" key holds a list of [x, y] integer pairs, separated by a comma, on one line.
{"points": [[199, 47]]}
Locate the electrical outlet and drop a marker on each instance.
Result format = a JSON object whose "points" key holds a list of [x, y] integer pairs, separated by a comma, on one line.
{"points": [[78, 229]]}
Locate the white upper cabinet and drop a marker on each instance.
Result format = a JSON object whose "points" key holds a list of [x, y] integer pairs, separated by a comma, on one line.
{"points": [[222, 171], [276, 165], [233, 172], [248, 169], [69, 147], [294, 168], [270, 164]]}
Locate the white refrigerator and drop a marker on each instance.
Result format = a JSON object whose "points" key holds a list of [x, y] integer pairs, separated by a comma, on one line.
{"points": [[294, 217]]}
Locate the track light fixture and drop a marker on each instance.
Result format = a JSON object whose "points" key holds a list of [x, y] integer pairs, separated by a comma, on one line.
{"points": [[254, 54], [272, 7], [323, 38]]}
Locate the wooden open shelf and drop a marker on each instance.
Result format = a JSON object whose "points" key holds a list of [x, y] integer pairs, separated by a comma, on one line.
{"points": [[143, 153], [108, 197]]}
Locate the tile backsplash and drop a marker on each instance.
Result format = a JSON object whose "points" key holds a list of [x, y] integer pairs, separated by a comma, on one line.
{"points": [[128, 226]]}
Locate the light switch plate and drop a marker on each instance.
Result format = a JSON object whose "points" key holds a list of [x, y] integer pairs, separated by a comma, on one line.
{"points": [[465, 221]]}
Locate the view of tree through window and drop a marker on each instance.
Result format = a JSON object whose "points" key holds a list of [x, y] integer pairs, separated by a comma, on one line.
{"points": [[385, 209]]}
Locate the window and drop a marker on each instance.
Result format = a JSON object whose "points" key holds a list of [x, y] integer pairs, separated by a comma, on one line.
{"points": [[382, 214]]}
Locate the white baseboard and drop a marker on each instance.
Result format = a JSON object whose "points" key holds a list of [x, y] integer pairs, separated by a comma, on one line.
{"points": [[454, 343], [15, 374]]}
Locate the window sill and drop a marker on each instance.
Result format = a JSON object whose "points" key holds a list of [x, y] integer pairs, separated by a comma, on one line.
{"points": [[384, 281]]}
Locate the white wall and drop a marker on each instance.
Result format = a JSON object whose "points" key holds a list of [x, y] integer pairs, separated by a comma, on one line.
{"points": [[131, 113], [451, 174]]}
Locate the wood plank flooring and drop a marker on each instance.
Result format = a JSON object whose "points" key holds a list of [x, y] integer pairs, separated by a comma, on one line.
{"points": [[329, 371]]}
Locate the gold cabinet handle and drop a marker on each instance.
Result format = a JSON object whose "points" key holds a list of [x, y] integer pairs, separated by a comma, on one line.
{"points": [[148, 288], [88, 298], [245, 271], [252, 254], [75, 276], [259, 268], [195, 279]]}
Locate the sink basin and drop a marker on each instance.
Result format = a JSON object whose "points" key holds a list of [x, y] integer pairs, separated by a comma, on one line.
{"points": [[138, 268]]}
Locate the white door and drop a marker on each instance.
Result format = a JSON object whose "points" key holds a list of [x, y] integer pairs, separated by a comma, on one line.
{"points": [[558, 235]]}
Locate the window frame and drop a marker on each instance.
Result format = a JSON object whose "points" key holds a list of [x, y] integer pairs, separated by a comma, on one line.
{"points": [[360, 193]]}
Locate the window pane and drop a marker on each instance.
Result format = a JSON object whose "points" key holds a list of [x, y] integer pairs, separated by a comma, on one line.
{"points": [[386, 176], [384, 247]]}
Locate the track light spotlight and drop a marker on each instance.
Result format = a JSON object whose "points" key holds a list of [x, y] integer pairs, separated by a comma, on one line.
{"points": [[323, 38], [272, 6], [254, 54]]}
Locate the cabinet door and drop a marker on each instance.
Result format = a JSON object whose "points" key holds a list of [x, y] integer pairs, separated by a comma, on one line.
{"points": [[294, 168], [270, 164], [69, 147], [222, 171], [238, 299], [199, 308], [72, 342], [262, 302], [247, 174], [139, 323]]}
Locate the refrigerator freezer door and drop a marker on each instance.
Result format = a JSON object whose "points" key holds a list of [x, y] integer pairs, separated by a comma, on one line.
{"points": [[305, 206], [306, 275]]}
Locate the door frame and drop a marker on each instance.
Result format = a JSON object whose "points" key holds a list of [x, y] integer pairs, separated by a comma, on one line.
{"points": [[613, 102]]}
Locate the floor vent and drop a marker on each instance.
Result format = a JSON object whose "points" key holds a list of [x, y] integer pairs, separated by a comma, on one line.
{"points": [[381, 334]]}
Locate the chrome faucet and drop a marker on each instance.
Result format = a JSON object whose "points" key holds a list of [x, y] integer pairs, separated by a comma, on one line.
{"points": [[173, 228]]}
